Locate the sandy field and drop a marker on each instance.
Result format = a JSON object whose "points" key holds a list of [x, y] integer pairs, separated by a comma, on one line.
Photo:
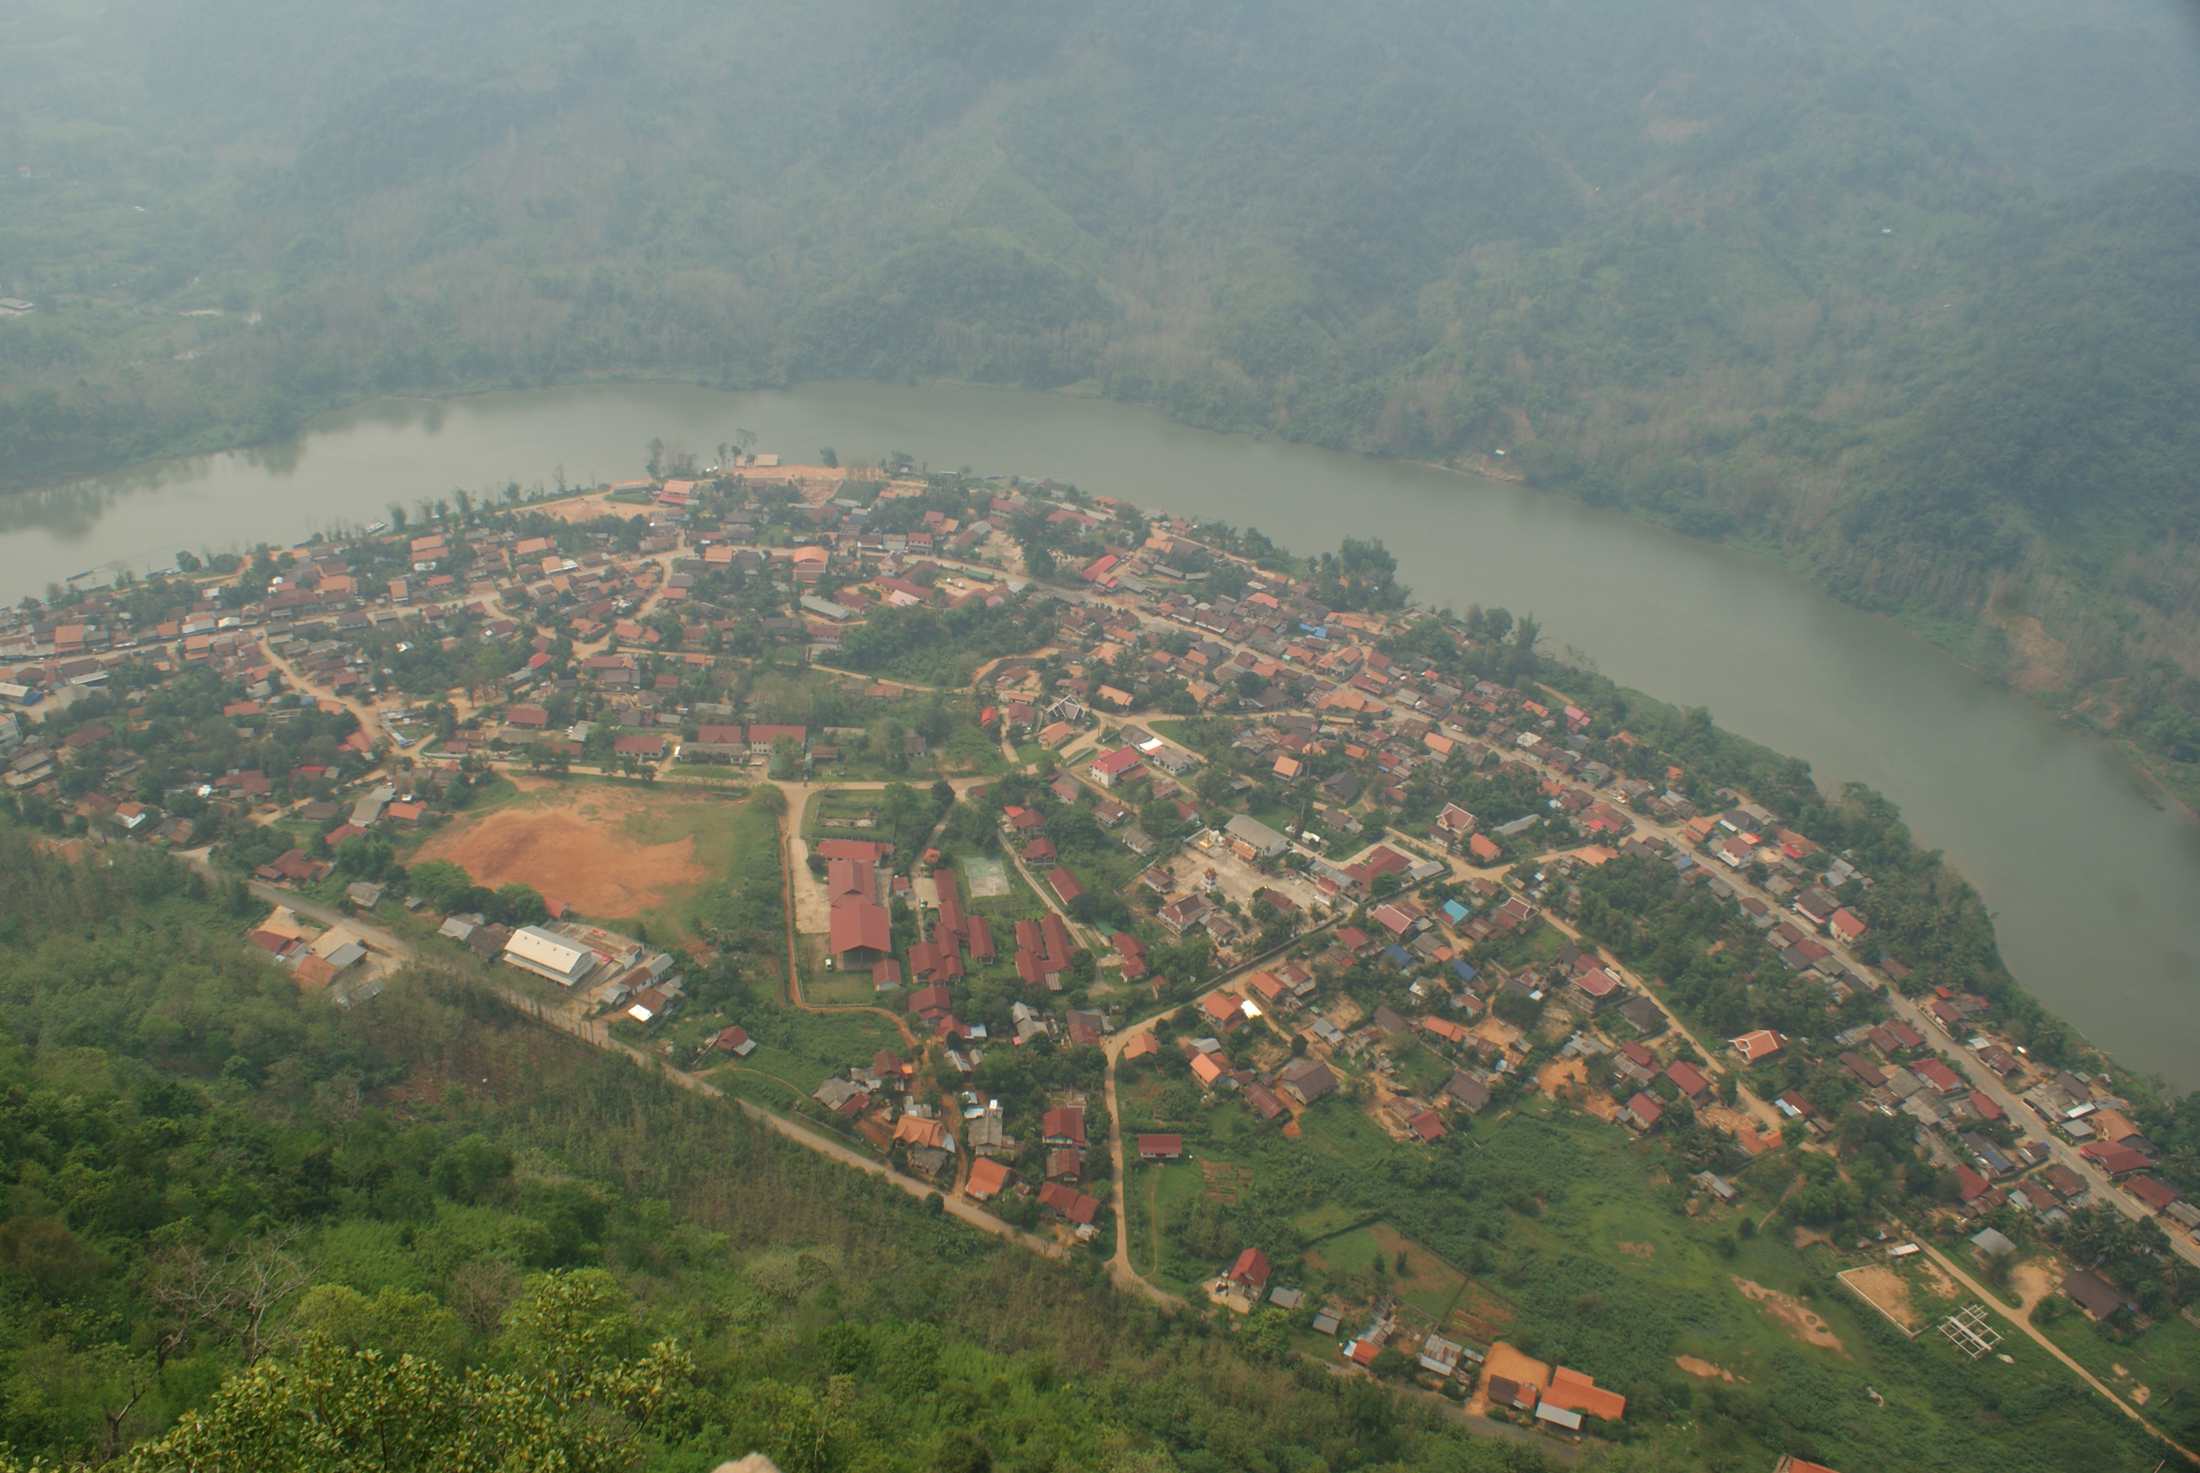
{"points": [[1799, 1320], [575, 845], [1885, 1290], [588, 508]]}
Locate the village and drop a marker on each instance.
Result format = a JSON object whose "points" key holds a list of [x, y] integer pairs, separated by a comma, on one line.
{"points": [[1214, 915]]}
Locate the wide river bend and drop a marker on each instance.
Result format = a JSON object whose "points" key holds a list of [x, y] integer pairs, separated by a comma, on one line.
{"points": [[2096, 892]]}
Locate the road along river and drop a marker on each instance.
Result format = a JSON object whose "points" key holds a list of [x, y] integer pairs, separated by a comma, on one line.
{"points": [[2094, 890]]}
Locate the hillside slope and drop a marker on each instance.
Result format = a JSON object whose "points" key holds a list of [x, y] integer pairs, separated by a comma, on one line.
{"points": [[1901, 291]]}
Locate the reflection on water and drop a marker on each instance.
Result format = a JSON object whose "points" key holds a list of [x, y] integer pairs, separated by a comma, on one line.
{"points": [[2091, 886]]}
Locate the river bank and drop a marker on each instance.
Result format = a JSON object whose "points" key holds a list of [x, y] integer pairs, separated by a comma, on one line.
{"points": [[2169, 785], [2090, 881]]}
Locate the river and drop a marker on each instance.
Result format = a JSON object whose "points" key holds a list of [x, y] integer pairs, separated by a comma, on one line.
{"points": [[2094, 890]]}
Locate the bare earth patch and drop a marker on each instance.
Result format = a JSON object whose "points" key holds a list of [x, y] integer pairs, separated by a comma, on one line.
{"points": [[573, 845], [1746, 1132], [1639, 1250], [1886, 1291], [1516, 1365], [1561, 1075], [2033, 1281], [589, 508], [1704, 1370], [1802, 1322]]}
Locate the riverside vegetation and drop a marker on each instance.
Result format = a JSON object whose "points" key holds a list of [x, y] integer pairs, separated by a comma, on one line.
{"points": [[1890, 290]]}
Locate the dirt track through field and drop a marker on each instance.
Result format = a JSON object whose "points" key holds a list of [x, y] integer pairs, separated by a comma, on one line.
{"points": [[575, 847]]}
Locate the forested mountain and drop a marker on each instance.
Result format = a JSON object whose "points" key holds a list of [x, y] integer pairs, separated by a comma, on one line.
{"points": [[1904, 291]]}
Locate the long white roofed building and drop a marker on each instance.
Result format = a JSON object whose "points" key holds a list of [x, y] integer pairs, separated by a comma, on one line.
{"points": [[547, 954]]}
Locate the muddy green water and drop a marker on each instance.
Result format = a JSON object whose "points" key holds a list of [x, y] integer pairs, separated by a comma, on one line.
{"points": [[2097, 894]]}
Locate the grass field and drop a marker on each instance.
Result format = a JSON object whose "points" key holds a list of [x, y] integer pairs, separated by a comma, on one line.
{"points": [[1328, 1218], [1420, 1068], [1363, 1262], [804, 1049], [1154, 1196], [1571, 1239], [2159, 1367]]}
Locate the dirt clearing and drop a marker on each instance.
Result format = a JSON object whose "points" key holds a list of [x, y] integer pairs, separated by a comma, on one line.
{"points": [[1886, 1291], [589, 508], [1704, 1370], [1516, 1365], [588, 846], [1800, 1321], [1564, 1074], [1745, 1131], [2033, 1280]]}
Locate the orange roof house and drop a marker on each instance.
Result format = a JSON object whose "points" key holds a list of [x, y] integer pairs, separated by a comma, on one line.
{"points": [[920, 1133], [1577, 1392], [988, 1179], [1755, 1046]]}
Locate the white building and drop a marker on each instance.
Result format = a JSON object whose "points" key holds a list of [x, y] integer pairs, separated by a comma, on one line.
{"points": [[547, 954]]}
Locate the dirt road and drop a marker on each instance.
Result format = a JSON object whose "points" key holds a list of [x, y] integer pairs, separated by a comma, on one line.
{"points": [[1120, 1271], [2025, 1327], [594, 1033]]}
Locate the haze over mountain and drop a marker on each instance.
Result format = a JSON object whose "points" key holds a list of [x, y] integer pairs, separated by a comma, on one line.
{"points": [[1902, 291]]}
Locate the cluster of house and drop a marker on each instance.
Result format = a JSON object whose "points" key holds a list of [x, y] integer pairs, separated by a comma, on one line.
{"points": [[621, 624], [46, 744], [334, 959], [1059, 1189]]}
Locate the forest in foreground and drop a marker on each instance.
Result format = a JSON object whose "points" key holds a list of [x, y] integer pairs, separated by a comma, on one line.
{"points": [[244, 1229], [1899, 292]]}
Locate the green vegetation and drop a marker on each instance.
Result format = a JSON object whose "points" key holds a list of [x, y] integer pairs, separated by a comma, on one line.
{"points": [[942, 649], [1571, 1240], [803, 1049], [427, 1234], [1847, 282]]}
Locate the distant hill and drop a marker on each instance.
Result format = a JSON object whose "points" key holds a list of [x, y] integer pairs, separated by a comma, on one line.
{"points": [[1904, 291]]}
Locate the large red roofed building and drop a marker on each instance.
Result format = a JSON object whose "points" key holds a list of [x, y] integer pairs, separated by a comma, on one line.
{"points": [[860, 931]]}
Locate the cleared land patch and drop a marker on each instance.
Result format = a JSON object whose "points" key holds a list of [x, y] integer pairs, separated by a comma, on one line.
{"points": [[605, 851], [1704, 1370], [1879, 1286], [1804, 1323], [1379, 1252]]}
